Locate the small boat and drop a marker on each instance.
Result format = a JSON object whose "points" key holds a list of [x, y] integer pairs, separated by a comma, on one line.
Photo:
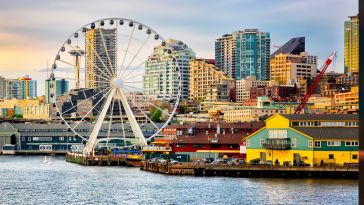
{"points": [[49, 161], [134, 160]]}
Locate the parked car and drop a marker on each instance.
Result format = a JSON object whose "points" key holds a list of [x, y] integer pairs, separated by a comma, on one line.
{"points": [[255, 161], [157, 160], [173, 161], [218, 161], [208, 160]]}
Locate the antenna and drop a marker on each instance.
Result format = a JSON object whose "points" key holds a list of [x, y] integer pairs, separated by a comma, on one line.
{"points": [[47, 69]]}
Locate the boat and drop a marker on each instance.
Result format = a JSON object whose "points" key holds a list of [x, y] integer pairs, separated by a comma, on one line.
{"points": [[134, 160], [49, 161]]}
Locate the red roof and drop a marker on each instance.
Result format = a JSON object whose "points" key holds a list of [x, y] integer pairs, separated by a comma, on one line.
{"points": [[202, 138], [223, 125]]}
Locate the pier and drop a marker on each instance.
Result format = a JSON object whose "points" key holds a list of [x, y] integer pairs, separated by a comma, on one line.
{"points": [[102, 160], [207, 170]]}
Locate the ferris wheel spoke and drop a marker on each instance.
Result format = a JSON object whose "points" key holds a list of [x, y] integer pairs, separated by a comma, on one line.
{"points": [[111, 116], [147, 101], [107, 52], [109, 75], [127, 48], [147, 116], [134, 87], [84, 101], [133, 82], [89, 148], [136, 68], [83, 118], [137, 53], [121, 119], [133, 76]]}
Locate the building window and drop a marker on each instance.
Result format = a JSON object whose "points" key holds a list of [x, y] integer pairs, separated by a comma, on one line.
{"points": [[262, 142], [355, 156], [197, 146], [333, 143], [310, 143], [29, 139], [248, 143], [61, 138], [351, 143], [23, 139], [293, 142], [180, 145], [331, 156], [317, 143]]}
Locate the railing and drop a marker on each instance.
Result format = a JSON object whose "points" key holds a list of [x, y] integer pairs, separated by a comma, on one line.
{"points": [[277, 144]]}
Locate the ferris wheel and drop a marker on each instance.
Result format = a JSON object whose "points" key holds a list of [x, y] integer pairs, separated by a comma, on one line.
{"points": [[115, 77]]}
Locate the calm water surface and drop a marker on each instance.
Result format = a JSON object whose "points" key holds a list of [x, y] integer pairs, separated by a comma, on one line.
{"points": [[27, 180]]}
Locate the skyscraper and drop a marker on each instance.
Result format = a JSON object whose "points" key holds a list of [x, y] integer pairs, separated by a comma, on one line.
{"points": [[244, 53], [100, 61], [351, 45], [161, 73], [2, 87], [60, 88]]}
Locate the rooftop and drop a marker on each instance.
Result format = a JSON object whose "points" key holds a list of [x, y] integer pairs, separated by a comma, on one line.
{"points": [[330, 132], [318, 117], [202, 138], [223, 125]]}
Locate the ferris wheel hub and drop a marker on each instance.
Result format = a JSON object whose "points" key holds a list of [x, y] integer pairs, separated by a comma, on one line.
{"points": [[117, 83]]}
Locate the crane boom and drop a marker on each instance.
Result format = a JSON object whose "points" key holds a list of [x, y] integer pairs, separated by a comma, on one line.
{"points": [[315, 83]]}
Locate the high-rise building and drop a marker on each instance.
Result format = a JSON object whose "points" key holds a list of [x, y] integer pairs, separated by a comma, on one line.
{"points": [[244, 53], [2, 87], [209, 83], [225, 54], [286, 68], [99, 63], [161, 72], [293, 46], [29, 87], [351, 45], [14, 89], [60, 88]]}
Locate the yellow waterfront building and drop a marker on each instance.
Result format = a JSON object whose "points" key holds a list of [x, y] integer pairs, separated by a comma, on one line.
{"points": [[306, 139]]}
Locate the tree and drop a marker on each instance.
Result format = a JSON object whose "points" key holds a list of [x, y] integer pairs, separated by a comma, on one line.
{"points": [[18, 116], [184, 109], [155, 115]]}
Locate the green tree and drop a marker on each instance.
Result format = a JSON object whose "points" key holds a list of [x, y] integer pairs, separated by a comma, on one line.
{"points": [[184, 109], [18, 116], [155, 115]]}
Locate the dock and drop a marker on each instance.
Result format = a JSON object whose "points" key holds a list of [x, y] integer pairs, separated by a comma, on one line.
{"points": [[101, 160], [208, 170]]}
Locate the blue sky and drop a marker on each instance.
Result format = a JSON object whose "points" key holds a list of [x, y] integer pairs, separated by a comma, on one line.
{"points": [[32, 31]]}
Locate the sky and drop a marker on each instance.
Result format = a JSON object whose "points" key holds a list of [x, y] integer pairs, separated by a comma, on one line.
{"points": [[31, 32]]}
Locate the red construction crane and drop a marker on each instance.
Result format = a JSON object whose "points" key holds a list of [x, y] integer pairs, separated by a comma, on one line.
{"points": [[315, 83]]}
